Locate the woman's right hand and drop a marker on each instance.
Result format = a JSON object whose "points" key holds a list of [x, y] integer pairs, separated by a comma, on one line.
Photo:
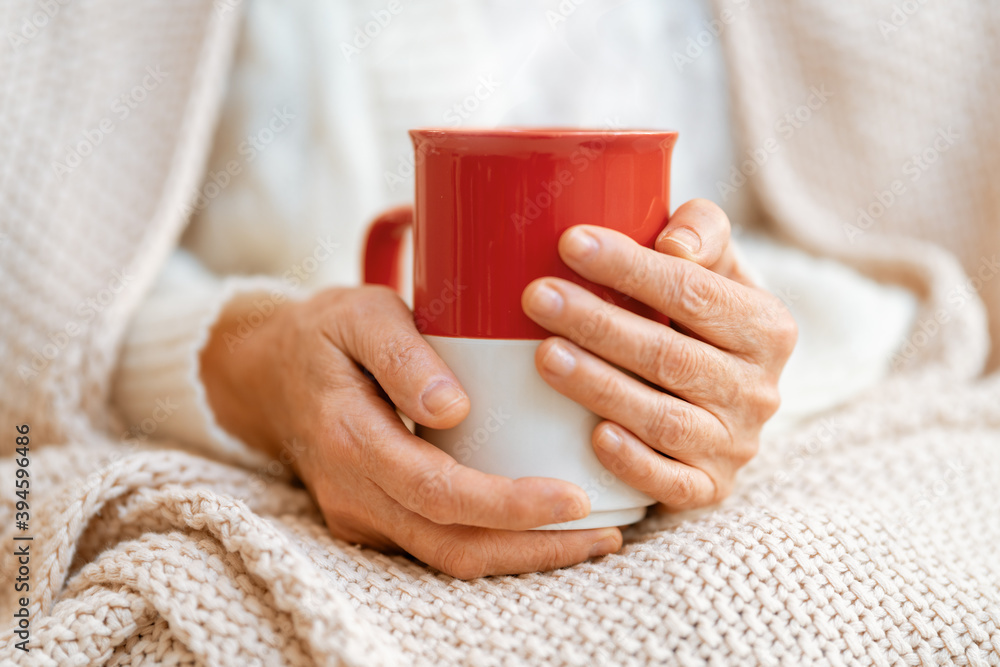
{"points": [[300, 377]]}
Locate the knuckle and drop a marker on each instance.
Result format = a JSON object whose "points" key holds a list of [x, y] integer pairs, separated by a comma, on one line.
{"points": [[735, 383], [658, 424], [787, 332], [683, 490], [395, 357], [604, 393], [433, 497], [637, 272], [784, 331], [457, 559], [769, 400], [596, 388], [365, 304], [553, 551], [655, 356], [671, 360], [670, 426], [745, 452], [695, 292], [758, 395]]}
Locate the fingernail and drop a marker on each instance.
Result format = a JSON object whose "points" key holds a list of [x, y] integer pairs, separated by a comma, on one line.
{"points": [[581, 244], [441, 396], [686, 238], [569, 510], [604, 546], [559, 360], [610, 440], [546, 301]]}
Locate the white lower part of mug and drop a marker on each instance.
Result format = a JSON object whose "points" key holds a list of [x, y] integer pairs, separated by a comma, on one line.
{"points": [[519, 426]]}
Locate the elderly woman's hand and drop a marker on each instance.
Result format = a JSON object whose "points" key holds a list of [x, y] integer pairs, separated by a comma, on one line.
{"points": [[300, 377], [718, 365]]}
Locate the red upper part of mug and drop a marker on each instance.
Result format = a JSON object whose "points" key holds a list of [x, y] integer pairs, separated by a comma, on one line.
{"points": [[492, 203]]}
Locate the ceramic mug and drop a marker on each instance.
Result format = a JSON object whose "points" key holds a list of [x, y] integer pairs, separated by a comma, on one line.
{"points": [[490, 207]]}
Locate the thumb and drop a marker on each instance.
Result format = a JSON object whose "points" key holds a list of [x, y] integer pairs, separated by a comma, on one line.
{"points": [[699, 231], [380, 335]]}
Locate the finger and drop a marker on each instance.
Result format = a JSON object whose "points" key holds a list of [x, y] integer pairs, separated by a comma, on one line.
{"points": [[687, 367], [382, 337], [466, 552], [429, 482], [676, 485], [700, 231], [723, 312], [668, 424], [697, 231]]}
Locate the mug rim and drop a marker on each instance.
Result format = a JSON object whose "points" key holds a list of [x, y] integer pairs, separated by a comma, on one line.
{"points": [[539, 132]]}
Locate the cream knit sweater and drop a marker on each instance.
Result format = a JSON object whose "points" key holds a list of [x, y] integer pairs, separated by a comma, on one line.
{"points": [[312, 145], [859, 538]]}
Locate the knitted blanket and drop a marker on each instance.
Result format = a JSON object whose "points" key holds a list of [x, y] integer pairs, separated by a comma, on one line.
{"points": [[866, 536]]}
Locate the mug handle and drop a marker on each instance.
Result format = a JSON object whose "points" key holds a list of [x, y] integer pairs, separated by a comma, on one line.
{"points": [[383, 246]]}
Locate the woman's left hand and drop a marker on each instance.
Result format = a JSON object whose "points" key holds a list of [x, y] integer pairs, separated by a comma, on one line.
{"points": [[719, 364]]}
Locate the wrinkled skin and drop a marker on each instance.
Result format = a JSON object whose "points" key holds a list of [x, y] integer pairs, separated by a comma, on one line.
{"points": [[300, 378]]}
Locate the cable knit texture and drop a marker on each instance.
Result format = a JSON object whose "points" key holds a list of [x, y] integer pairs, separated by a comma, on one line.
{"points": [[866, 536]]}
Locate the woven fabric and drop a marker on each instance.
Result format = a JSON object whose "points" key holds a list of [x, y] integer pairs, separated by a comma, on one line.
{"points": [[863, 537]]}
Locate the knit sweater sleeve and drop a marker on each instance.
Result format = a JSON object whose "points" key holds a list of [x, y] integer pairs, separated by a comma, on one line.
{"points": [[157, 389]]}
